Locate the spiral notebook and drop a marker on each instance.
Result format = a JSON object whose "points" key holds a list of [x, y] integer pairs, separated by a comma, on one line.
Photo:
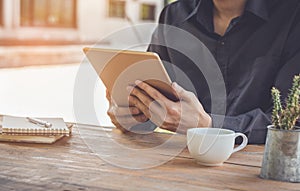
{"points": [[12, 125]]}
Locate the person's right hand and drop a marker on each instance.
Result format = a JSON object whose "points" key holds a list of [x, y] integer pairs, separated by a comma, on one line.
{"points": [[124, 117]]}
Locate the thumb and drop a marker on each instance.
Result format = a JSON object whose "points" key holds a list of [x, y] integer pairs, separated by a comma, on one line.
{"points": [[181, 93], [108, 97]]}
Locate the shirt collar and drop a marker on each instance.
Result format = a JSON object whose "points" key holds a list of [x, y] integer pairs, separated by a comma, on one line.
{"points": [[203, 10], [197, 5], [258, 8]]}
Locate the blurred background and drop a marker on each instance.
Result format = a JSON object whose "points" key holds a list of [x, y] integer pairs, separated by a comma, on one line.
{"points": [[41, 45]]}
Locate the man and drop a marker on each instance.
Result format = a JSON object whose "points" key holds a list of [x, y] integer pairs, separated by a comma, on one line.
{"points": [[256, 46]]}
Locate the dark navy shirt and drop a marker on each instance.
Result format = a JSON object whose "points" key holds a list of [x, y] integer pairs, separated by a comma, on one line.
{"points": [[260, 49]]}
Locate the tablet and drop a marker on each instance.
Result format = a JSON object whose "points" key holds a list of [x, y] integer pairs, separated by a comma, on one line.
{"points": [[119, 68]]}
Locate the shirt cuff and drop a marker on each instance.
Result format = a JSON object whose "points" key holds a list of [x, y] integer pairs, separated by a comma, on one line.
{"points": [[221, 121], [144, 128]]}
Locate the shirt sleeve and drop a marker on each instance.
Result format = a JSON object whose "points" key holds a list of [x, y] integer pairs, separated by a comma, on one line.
{"points": [[253, 123]]}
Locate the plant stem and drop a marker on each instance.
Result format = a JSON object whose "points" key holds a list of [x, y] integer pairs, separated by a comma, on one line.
{"points": [[277, 109]]}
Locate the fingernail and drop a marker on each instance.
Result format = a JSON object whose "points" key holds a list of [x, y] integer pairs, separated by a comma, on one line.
{"points": [[138, 82], [129, 99], [175, 85], [135, 111], [129, 88]]}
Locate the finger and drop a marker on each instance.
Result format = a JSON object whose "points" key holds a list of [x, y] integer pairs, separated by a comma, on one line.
{"points": [[182, 93], [169, 128], [152, 92], [155, 108], [132, 103], [128, 121], [140, 118], [140, 105], [124, 123], [109, 98], [122, 129], [123, 111], [142, 96], [135, 111], [108, 95], [156, 113]]}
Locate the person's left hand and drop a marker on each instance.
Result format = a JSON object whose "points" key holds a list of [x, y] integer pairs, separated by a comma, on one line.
{"points": [[173, 116]]}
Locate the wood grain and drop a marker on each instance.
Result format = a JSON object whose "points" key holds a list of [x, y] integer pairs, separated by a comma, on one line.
{"points": [[70, 164]]}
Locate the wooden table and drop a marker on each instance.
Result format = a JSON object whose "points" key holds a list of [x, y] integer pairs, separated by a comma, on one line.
{"points": [[70, 164]]}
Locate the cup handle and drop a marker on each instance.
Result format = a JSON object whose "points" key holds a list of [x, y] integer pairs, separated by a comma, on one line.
{"points": [[244, 143]]}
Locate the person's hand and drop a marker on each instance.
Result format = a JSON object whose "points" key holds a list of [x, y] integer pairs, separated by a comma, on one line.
{"points": [[124, 117], [174, 116]]}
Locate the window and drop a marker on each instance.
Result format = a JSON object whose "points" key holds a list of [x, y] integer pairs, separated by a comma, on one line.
{"points": [[147, 12], [117, 8], [48, 13], [1, 12]]}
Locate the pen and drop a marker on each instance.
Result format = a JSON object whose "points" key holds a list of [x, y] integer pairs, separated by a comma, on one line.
{"points": [[39, 122]]}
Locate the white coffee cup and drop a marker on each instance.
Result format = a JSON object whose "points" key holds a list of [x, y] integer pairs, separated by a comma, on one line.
{"points": [[213, 146]]}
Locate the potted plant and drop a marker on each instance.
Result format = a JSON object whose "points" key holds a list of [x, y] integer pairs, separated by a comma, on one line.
{"points": [[282, 150]]}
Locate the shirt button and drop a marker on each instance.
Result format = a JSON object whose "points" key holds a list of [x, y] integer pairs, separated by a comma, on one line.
{"points": [[221, 42]]}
